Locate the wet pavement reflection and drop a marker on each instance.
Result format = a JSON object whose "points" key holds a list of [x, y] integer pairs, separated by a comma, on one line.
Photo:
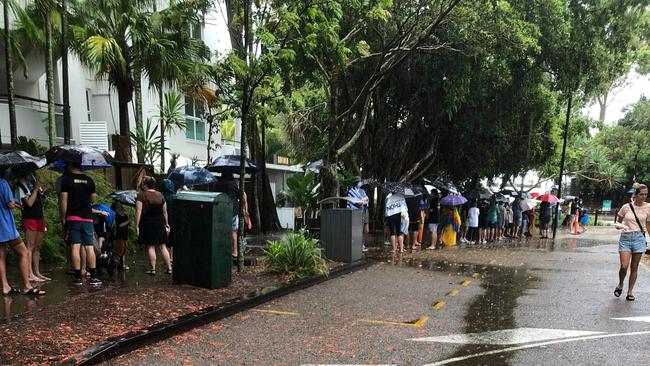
{"points": [[62, 289]]}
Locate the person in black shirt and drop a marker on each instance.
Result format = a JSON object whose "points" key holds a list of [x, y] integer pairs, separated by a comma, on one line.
{"points": [[122, 222], [76, 198], [29, 193], [433, 219], [227, 184]]}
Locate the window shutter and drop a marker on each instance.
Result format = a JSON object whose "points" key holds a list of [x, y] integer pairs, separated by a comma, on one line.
{"points": [[94, 134]]}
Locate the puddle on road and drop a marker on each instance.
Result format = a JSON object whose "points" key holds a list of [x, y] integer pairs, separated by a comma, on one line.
{"points": [[493, 309]]}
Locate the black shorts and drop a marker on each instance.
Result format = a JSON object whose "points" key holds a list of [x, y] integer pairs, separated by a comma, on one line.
{"points": [[414, 226], [394, 223], [492, 225]]}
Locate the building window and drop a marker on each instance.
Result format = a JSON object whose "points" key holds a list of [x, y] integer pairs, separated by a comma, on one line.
{"points": [[195, 129], [88, 108], [195, 30]]}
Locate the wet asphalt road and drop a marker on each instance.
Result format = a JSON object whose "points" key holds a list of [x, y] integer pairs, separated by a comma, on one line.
{"points": [[558, 300]]}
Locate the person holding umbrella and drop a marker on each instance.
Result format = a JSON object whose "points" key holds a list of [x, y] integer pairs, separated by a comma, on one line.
{"points": [[395, 204], [228, 185], [28, 191], [76, 197], [9, 237], [357, 193]]}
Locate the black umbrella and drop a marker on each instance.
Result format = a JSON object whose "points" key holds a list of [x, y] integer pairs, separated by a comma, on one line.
{"points": [[314, 166], [400, 188], [499, 197], [126, 197], [20, 163], [190, 176], [89, 157], [230, 164], [442, 184]]}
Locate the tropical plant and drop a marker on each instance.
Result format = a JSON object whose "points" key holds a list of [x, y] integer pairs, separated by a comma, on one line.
{"points": [[7, 7], [303, 191], [114, 37], [147, 140], [194, 160], [29, 145], [296, 257], [171, 115]]}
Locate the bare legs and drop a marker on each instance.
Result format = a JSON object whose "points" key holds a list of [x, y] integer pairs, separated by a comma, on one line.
{"points": [[23, 265], [396, 240], [628, 258], [235, 245], [34, 242], [151, 252]]}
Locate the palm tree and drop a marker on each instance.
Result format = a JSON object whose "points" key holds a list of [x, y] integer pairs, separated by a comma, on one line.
{"points": [[101, 37], [48, 12], [168, 52], [35, 24], [109, 36], [7, 6]]}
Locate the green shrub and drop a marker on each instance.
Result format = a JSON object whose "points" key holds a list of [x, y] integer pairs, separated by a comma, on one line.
{"points": [[296, 257]]}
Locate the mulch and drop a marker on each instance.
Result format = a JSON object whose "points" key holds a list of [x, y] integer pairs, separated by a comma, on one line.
{"points": [[57, 332]]}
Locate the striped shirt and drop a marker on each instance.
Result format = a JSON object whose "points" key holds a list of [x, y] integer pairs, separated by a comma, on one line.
{"points": [[357, 194]]}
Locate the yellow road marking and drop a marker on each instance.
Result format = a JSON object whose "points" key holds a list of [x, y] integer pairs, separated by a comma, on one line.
{"points": [[476, 275], [466, 283], [276, 312], [452, 293], [438, 304], [418, 324]]}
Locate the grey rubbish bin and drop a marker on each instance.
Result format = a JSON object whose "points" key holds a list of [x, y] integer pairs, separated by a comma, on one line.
{"points": [[341, 233]]}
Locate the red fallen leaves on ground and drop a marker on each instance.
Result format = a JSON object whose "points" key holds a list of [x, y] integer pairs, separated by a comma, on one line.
{"points": [[60, 331]]}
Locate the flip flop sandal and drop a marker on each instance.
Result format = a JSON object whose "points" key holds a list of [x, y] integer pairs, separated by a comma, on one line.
{"points": [[34, 292], [12, 291], [151, 272], [169, 271], [618, 291], [630, 298]]}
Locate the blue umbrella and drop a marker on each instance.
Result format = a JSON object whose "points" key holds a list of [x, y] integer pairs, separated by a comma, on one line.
{"points": [[190, 176], [453, 200], [89, 157], [230, 164]]}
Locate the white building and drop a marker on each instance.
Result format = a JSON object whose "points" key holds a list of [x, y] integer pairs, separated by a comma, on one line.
{"points": [[94, 105]]}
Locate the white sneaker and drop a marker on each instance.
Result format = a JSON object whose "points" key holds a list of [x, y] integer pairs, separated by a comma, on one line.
{"points": [[364, 249]]}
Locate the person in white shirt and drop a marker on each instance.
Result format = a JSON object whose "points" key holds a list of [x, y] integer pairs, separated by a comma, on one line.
{"points": [[472, 223], [395, 202]]}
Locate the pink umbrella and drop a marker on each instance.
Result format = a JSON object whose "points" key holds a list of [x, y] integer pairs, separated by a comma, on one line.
{"points": [[548, 198]]}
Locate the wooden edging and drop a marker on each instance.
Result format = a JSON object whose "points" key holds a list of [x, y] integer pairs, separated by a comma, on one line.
{"points": [[116, 346]]}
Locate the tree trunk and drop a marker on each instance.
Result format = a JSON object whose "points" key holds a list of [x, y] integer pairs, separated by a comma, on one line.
{"points": [[9, 65], [329, 179], [67, 122], [254, 209], [161, 106], [602, 103], [137, 91], [123, 149], [49, 80]]}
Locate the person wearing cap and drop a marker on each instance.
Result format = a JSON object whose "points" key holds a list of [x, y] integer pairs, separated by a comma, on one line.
{"points": [[356, 193]]}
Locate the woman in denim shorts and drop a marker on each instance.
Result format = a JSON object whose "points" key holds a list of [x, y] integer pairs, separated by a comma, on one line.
{"points": [[632, 243]]}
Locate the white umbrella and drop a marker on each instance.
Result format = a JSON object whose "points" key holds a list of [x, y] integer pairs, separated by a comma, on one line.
{"points": [[528, 204]]}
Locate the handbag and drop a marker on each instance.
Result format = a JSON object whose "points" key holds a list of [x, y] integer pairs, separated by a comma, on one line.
{"points": [[638, 223]]}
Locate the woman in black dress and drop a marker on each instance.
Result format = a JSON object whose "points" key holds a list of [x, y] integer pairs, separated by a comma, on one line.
{"points": [[151, 223]]}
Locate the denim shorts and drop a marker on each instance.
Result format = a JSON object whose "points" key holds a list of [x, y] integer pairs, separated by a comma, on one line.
{"points": [[79, 232], [235, 223], [632, 242]]}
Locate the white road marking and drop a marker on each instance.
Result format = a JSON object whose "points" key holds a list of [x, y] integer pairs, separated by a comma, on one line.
{"points": [[541, 344], [508, 336], [636, 319]]}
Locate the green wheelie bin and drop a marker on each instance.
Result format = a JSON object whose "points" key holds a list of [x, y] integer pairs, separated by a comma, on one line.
{"points": [[202, 235]]}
